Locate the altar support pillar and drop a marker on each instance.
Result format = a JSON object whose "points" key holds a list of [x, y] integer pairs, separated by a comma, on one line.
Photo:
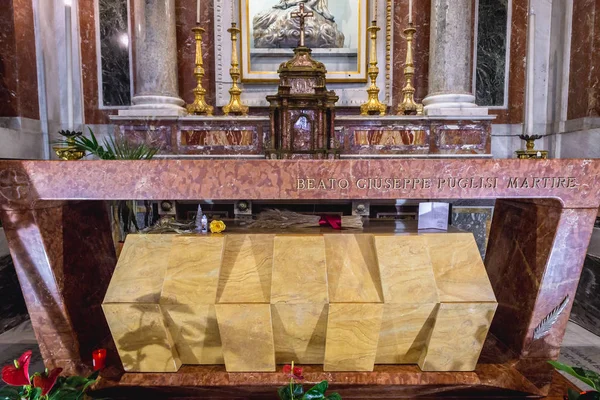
{"points": [[450, 60], [64, 258], [155, 83], [534, 259]]}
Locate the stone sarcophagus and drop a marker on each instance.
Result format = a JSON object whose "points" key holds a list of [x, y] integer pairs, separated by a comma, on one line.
{"points": [[344, 300]]}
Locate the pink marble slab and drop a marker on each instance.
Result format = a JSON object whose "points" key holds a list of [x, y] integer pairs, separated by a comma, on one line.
{"points": [[24, 183]]}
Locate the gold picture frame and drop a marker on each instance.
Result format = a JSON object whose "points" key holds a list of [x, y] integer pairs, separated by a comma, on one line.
{"points": [[344, 65]]}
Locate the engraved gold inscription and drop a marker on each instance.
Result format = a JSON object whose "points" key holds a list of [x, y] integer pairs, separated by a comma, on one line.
{"points": [[476, 182]]}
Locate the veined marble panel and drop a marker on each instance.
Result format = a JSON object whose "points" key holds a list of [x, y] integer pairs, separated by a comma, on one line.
{"points": [[114, 52], [491, 55]]}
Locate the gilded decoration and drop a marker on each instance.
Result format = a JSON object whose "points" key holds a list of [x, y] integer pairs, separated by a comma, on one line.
{"points": [[303, 110]]}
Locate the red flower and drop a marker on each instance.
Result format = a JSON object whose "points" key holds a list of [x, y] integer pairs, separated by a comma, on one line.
{"points": [[18, 374], [293, 372], [46, 381]]}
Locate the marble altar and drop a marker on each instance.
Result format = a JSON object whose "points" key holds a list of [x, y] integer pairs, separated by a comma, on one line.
{"points": [[59, 235]]}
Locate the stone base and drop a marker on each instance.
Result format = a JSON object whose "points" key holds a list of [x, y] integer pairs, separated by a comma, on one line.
{"points": [[155, 106], [453, 104]]}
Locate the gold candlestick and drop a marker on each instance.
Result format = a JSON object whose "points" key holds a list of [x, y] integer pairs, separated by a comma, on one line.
{"points": [[235, 102], [199, 106], [408, 105], [373, 104]]}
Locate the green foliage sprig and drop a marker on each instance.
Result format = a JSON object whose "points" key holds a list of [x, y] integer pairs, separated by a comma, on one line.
{"points": [[114, 149], [588, 377]]}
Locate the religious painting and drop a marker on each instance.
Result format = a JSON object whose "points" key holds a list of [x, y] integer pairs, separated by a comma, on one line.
{"points": [[335, 30]]}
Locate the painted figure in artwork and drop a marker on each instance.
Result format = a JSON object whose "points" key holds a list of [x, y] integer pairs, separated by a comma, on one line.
{"points": [[274, 28]]}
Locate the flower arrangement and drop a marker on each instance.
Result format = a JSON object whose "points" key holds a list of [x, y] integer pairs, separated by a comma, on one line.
{"points": [[295, 390], [41, 386], [590, 378]]}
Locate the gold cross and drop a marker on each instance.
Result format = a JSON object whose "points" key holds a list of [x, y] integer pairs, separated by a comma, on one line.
{"points": [[302, 15]]}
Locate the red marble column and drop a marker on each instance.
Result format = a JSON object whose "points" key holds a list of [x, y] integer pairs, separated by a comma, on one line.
{"points": [[534, 258], [64, 257], [18, 72], [584, 79], [421, 17]]}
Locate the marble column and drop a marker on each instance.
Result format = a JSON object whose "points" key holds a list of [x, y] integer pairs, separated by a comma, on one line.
{"points": [[156, 88], [450, 56]]}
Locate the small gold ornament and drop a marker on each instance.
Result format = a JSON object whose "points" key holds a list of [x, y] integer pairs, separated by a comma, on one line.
{"points": [[217, 226]]}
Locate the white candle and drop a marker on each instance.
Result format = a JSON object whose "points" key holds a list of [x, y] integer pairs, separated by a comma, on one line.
{"points": [[69, 60], [530, 77], [198, 12], [410, 11]]}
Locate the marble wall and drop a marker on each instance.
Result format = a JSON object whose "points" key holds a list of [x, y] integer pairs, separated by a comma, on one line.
{"points": [[114, 52], [584, 84], [492, 35], [18, 74]]}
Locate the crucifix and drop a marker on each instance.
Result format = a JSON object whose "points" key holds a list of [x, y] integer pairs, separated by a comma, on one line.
{"points": [[302, 15]]}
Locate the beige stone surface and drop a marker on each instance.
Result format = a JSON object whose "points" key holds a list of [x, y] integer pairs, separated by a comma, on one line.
{"points": [[458, 269], [457, 336], [246, 270], [247, 337], [406, 269], [140, 271], [143, 341], [195, 332], [299, 270], [192, 275], [352, 336], [352, 270], [299, 332], [405, 329]]}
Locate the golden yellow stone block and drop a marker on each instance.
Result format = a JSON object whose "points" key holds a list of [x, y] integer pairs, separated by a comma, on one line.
{"points": [[352, 270], [457, 336], [345, 300], [140, 271], [195, 332], [299, 298], [404, 333], [299, 332], [458, 268], [299, 270], [246, 270], [247, 337], [142, 339], [352, 336], [193, 267]]}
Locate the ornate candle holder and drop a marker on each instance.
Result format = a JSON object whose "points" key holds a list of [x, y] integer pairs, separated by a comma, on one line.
{"points": [[530, 152], [235, 102], [373, 104], [199, 106], [408, 105]]}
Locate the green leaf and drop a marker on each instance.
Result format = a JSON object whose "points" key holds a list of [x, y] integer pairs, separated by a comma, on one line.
{"points": [[284, 392], [334, 396], [591, 375], [317, 392], [35, 393], [9, 393], [588, 377], [65, 393]]}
